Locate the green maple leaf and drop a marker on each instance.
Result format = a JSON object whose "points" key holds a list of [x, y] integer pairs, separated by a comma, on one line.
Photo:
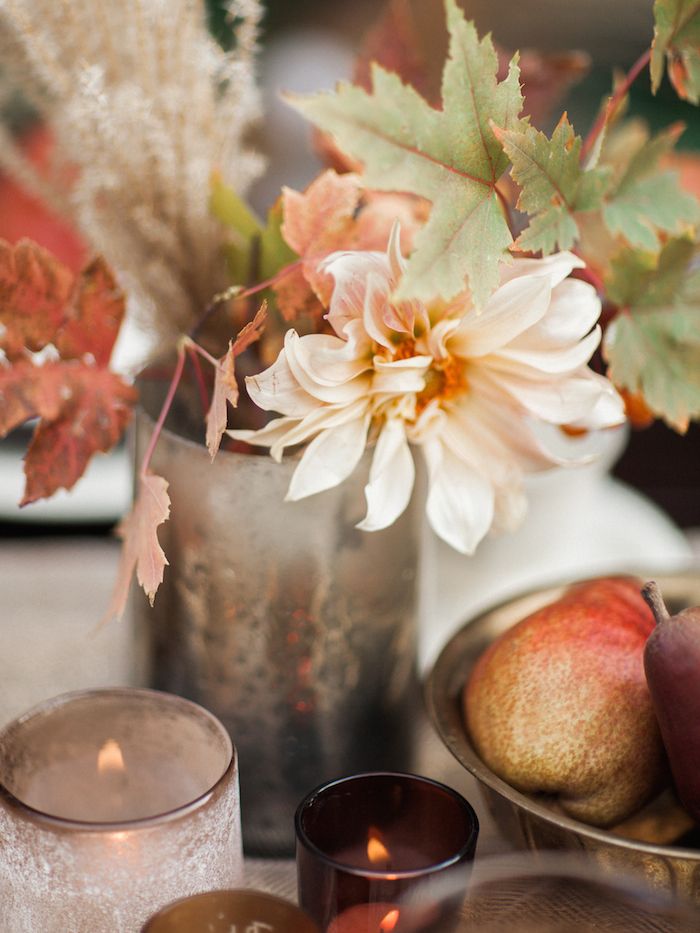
{"points": [[653, 346], [555, 187], [645, 200], [449, 156], [677, 40]]}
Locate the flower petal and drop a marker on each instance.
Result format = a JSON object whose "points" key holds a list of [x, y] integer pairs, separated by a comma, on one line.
{"points": [[299, 352], [268, 435], [330, 361], [329, 459], [460, 503], [557, 267], [277, 389], [573, 310], [513, 308], [555, 400], [328, 416], [558, 361], [391, 478], [350, 271], [399, 376]]}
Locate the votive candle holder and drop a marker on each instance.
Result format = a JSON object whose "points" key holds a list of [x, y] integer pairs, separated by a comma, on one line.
{"points": [[226, 911], [384, 852], [112, 804]]}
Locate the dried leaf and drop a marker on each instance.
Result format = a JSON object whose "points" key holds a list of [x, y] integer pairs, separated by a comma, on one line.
{"points": [[34, 291], [225, 384], [449, 156], [141, 550], [94, 409], [677, 42]]}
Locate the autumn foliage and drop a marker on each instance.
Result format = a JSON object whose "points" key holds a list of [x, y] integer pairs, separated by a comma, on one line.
{"points": [[59, 330]]}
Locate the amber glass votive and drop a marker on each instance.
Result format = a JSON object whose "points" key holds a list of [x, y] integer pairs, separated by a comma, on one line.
{"points": [[224, 911], [384, 853], [112, 804]]}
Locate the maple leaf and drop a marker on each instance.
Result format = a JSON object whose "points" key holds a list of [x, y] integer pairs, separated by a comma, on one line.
{"points": [[34, 290], [82, 407], [644, 200], [555, 186], [677, 41], [652, 347], [141, 550], [93, 316], [395, 44], [316, 222], [95, 408], [449, 156], [225, 384]]}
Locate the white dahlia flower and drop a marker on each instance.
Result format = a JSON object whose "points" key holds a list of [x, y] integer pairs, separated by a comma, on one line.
{"points": [[468, 388]]}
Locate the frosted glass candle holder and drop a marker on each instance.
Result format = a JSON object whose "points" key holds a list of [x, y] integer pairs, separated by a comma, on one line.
{"points": [[113, 803]]}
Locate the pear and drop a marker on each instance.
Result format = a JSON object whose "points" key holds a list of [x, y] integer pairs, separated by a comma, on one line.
{"points": [[672, 666], [559, 703]]}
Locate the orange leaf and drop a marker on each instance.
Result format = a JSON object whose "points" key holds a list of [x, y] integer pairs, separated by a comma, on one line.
{"points": [[395, 44], [34, 290], [141, 550], [317, 222], [28, 391], [225, 385], [95, 316], [94, 409]]}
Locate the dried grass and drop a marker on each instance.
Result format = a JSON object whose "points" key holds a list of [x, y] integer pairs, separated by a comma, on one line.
{"points": [[143, 105]]}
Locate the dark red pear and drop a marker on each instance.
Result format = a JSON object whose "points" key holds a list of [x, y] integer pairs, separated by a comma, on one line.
{"points": [[672, 667]]}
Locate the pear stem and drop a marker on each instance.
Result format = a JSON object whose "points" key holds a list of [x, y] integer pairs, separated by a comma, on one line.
{"points": [[653, 598]]}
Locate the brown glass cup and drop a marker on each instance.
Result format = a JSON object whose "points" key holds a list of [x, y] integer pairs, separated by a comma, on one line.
{"points": [[223, 911], [384, 852]]}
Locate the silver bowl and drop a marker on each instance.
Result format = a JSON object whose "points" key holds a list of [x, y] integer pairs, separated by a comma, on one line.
{"points": [[523, 820]]}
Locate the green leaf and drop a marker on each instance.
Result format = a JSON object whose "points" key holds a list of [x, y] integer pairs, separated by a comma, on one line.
{"points": [[554, 185], [657, 354], [677, 41], [232, 210], [653, 346], [639, 278], [645, 201], [449, 156]]}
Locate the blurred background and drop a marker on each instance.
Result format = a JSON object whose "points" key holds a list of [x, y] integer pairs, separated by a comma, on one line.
{"points": [[309, 45]]}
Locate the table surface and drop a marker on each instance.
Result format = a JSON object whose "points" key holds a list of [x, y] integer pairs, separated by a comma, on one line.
{"points": [[51, 593]]}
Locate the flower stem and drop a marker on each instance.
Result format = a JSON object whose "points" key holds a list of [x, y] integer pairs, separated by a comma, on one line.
{"points": [[238, 293], [172, 389], [199, 378], [613, 101]]}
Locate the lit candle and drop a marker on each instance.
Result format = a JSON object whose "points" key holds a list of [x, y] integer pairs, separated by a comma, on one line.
{"points": [[112, 804], [384, 853]]}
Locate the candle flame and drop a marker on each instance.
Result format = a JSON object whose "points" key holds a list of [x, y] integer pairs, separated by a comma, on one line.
{"points": [[389, 922], [110, 758], [376, 850]]}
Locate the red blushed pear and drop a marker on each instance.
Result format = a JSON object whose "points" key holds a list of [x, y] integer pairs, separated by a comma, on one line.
{"points": [[559, 703], [672, 665]]}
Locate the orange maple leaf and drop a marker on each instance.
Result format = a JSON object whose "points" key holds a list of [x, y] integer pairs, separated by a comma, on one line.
{"points": [[141, 550], [34, 291], [94, 410], [317, 222], [82, 406], [225, 384]]}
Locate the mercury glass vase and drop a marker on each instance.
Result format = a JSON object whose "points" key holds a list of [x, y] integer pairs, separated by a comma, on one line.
{"points": [[292, 626]]}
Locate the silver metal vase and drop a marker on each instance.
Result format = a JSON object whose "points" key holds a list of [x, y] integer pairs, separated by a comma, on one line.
{"points": [[292, 626]]}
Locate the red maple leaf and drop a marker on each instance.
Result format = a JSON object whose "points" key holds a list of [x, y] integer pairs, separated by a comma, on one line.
{"points": [[34, 291], [82, 407]]}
